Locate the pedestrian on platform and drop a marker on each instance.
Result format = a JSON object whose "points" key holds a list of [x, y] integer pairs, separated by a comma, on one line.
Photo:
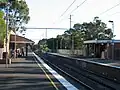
{"points": [[22, 51]]}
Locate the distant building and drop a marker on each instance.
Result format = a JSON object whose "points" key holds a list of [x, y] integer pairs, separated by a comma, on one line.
{"points": [[20, 42], [106, 49]]}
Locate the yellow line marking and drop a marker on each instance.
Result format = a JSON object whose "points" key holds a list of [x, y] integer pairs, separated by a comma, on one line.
{"points": [[51, 81]]}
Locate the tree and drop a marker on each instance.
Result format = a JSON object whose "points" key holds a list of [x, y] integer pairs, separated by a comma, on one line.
{"points": [[77, 26], [52, 44], [18, 13], [94, 30], [60, 41], [42, 45], [59, 38], [97, 30], [2, 26]]}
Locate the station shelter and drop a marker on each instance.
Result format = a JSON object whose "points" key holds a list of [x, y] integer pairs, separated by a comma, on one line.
{"points": [[105, 49], [21, 42]]}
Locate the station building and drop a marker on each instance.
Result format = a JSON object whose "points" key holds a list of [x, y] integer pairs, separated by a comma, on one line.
{"points": [[105, 49], [20, 42]]}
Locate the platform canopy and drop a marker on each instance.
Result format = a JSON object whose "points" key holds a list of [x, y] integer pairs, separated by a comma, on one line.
{"points": [[20, 40], [101, 41]]}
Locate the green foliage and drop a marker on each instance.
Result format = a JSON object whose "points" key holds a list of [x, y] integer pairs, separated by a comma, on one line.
{"points": [[3, 3], [95, 30], [2, 26], [42, 45], [18, 13], [44, 48]]}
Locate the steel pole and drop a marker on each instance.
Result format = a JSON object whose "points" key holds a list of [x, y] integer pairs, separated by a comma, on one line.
{"points": [[112, 38], [46, 34], [6, 38], [61, 43], [15, 45], [72, 37], [70, 21], [113, 41], [57, 45], [7, 27]]}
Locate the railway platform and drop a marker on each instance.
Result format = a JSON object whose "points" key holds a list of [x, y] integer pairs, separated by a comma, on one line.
{"points": [[104, 62], [29, 73]]}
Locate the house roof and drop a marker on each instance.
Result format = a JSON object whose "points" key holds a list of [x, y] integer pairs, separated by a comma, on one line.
{"points": [[101, 41], [19, 39]]}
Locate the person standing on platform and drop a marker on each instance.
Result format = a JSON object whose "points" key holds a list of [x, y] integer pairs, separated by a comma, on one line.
{"points": [[22, 51]]}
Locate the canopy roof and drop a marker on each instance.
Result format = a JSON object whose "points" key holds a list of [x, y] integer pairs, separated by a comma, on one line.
{"points": [[20, 39], [101, 41]]}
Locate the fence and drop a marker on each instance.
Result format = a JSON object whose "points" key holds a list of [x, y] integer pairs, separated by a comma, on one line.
{"points": [[71, 52]]}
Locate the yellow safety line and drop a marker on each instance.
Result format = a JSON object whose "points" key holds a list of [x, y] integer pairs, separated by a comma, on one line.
{"points": [[47, 76]]}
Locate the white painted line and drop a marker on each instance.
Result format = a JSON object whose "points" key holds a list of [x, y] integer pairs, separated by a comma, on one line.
{"points": [[60, 78], [51, 81]]}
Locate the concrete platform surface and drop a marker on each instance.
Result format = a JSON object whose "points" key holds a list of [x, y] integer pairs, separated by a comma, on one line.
{"points": [[26, 74]]}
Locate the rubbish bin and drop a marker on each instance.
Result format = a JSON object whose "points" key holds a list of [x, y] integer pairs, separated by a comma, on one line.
{"points": [[9, 61], [4, 55], [4, 58]]}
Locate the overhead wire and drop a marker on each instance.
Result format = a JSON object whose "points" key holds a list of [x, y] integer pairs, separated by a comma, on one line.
{"points": [[82, 4], [111, 14], [110, 9], [114, 13], [67, 8], [78, 6]]}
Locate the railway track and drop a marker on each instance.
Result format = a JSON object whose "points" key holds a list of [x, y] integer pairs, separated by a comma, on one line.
{"points": [[60, 70], [89, 80]]}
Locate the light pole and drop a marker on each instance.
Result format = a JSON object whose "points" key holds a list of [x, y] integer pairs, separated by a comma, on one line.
{"points": [[7, 5], [46, 36], [7, 27], [61, 43], [72, 37], [15, 45], [57, 45], [112, 38]]}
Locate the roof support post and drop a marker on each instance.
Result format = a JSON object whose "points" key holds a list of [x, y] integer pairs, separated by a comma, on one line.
{"points": [[26, 49]]}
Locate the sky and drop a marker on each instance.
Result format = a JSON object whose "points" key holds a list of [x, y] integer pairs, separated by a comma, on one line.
{"points": [[47, 14]]}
